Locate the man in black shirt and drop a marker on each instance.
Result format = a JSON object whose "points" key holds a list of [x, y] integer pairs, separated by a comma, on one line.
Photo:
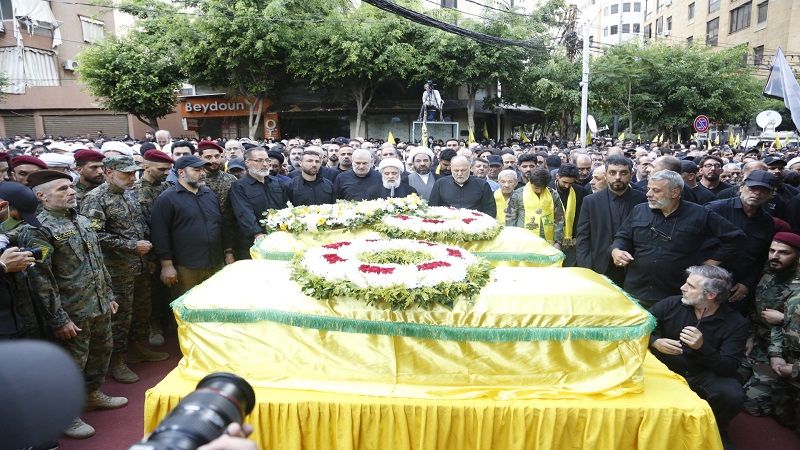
{"points": [[689, 171], [602, 214], [310, 188], [659, 240], [461, 190], [710, 170], [253, 194], [354, 184], [186, 229], [699, 337], [747, 212], [324, 171]]}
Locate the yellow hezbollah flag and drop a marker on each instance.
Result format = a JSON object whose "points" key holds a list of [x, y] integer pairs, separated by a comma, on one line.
{"points": [[778, 144], [738, 140], [485, 130], [731, 140], [524, 137], [589, 138], [716, 139], [471, 137], [621, 136], [661, 138], [655, 138], [390, 139], [708, 144]]}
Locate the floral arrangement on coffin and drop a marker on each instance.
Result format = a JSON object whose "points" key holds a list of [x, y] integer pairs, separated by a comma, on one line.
{"points": [[399, 273], [343, 214], [441, 224]]}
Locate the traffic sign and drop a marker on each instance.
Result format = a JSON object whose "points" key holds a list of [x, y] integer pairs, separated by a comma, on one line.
{"points": [[701, 123]]}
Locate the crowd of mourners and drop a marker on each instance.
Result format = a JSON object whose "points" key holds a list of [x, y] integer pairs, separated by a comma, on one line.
{"points": [[98, 236]]}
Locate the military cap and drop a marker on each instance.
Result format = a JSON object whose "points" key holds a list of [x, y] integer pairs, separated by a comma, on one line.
{"points": [[205, 145], [760, 178], [27, 159], [236, 163], [46, 176], [158, 156], [120, 164], [84, 156], [790, 239], [21, 198], [190, 161], [494, 160]]}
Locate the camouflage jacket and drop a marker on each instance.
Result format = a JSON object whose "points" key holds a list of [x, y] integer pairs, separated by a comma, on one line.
{"points": [[220, 183], [146, 193], [771, 293], [116, 217], [81, 190], [785, 340], [515, 214], [71, 281]]}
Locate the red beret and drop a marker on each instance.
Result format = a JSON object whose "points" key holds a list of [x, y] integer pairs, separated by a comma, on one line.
{"points": [[5, 157], [27, 159], [86, 155], [205, 145], [157, 156], [790, 239], [781, 225]]}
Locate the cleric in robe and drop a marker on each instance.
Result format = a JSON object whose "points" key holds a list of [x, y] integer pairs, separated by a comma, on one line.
{"points": [[422, 178], [462, 190], [392, 184]]}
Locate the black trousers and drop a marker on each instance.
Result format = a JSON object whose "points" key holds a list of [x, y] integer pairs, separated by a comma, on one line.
{"points": [[724, 394]]}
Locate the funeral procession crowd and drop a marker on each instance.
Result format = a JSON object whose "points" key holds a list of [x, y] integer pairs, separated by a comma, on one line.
{"points": [[99, 236]]}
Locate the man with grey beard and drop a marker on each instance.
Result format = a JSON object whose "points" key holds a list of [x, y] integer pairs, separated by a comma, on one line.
{"points": [[251, 195], [392, 185]]}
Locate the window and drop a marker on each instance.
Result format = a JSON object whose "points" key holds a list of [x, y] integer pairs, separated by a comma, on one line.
{"points": [[626, 28], [758, 55], [27, 67], [614, 8], [605, 31], [712, 32], [648, 31], [93, 30], [605, 11], [637, 28], [6, 11], [762, 12], [691, 11], [626, 7], [659, 26], [658, 5], [449, 3], [713, 6], [689, 40], [669, 23], [637, 7], [740, 17], [613, 30]]}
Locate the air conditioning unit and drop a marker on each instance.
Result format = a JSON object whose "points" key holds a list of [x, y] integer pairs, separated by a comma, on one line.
{"points": [[70, 64]]}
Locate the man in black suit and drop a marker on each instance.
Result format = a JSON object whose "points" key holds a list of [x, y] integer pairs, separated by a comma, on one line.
{"points": [[601, 216]]}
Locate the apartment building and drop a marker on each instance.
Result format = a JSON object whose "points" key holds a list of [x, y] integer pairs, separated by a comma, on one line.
{"points": [[761, 25], [39, 41], [611, 22]]}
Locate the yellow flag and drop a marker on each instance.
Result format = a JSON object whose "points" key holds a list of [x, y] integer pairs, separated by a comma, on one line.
{"points": [[589, 138], [471, 137], [655, 138], [639, 137], [731, 140], [738, 140], [716, 139], [485, 130], [524, 137], [708, 144], [661, 138], [621, 136], [390, 139], [778, 144], [577, 138]]}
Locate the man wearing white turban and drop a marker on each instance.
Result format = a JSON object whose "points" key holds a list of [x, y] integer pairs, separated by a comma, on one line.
{"points": [[422, 177], [392, 185]]}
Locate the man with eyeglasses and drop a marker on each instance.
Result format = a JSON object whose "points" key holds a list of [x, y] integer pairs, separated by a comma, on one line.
{"points": [[710, 170], [659, 240], [251, 195]]}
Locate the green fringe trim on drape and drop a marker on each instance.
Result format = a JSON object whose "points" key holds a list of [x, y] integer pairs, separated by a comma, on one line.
{"points": [[491, 256], [525, 257], [423, 331]]}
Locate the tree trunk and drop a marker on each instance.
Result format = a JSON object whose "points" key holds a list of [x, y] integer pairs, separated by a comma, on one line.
{"points": [[362, 95], [255, 105], [151, 122], [471, 90], [630, 113]]}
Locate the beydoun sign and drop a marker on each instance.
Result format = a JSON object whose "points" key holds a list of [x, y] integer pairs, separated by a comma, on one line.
{"points": [[213, 106], [204, 106]]}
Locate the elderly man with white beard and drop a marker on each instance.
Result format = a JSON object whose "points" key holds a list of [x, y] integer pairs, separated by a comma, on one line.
{"points": [[392, 185]]}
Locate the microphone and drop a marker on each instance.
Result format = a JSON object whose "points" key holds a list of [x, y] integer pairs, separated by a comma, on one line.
{"points": [[43, 391]]}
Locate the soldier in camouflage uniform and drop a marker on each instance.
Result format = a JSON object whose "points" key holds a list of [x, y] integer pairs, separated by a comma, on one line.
{"points": [[116, 217], [89, 165], [73, 287], [220, 183], [778, 284], [148, 187], [784, 354]]}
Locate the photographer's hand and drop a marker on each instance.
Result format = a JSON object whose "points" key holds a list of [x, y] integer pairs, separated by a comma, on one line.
{"points": [[235, 438], [15, 260]]}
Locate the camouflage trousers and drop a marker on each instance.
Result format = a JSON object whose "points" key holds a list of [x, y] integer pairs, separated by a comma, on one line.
{"points": [[767, 394], [132, 320], [91, 349]]}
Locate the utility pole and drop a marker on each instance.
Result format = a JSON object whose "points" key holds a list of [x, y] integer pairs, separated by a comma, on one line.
{"points": [[585, 84]]}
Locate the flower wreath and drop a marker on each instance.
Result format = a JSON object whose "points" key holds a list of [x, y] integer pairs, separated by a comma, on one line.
{"points": [[441, 224], [398, 272]]}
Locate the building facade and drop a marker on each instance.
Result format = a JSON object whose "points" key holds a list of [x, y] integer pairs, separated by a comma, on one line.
{"points": [[611, 22], [762, 25]]}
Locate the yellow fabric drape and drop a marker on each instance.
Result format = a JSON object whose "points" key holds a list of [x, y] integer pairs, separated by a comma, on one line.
{"points": [[569, 219], [666, 416], [539, 211], [502, 203]]}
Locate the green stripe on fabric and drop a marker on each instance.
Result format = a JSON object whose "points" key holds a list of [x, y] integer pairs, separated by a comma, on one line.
{"points": [[525, 257], [277, 256], [423, 331]]}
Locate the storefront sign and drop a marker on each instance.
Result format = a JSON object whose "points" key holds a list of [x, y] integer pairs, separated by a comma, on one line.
{"points": [[199, 107]]}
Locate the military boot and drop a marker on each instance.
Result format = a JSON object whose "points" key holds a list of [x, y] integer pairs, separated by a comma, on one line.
{"points": [[140, 352], [156, 336], [99, 400], [120, 371], [79, 429]]}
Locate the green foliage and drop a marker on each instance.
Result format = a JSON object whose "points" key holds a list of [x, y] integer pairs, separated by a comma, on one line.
{"points": [[664, 87], [394, 257], [133, 74]]}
